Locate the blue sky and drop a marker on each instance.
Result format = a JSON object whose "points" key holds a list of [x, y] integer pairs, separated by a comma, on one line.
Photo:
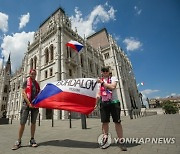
{"points": [[147, 30]]}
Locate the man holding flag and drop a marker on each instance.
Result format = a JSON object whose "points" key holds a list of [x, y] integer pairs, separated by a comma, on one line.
{"points": [[30, 91]]}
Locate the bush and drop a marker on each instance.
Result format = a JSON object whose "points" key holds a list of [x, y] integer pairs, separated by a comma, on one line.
{"points": [[169, 107]]}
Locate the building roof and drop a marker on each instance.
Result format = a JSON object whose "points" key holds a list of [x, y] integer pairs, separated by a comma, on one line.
{"points": [[96, 33], [59, 8]]}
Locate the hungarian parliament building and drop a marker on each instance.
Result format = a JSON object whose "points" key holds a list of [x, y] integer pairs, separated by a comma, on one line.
{"points": [[54, 61]]}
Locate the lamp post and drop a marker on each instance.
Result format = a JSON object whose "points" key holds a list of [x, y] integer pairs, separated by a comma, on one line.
{"points": [[70, 123], [83, 121], [140, 96], [147, 99]]}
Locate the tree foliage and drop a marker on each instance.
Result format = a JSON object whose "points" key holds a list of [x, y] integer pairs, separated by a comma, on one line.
{"points": [[169, 107]]}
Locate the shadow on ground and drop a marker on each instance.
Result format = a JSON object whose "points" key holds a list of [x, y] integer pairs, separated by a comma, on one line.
{"points": [[70, 143], [78, 144]]}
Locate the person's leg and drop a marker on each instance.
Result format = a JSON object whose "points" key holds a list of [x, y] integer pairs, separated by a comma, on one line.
{"points": [[119, 130], [105, 119], [33, 129], [34, 114], [23, 118], [115, 112], [32, 141], [21, 130], [105, 128]]}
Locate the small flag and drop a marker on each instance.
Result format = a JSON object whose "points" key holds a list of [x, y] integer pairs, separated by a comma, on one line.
{"points": [[140, 84], [75, 45]]}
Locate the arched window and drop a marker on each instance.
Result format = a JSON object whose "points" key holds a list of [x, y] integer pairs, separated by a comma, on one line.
{"points": [[5, 88], [97, 68], [82, 60], [67, 52], [18, 84], [90, 65], [16, 105], [51, 52], [35, 62], [46, 74], [51, 72], [31, 64], [14, 86], [70, 72], [46, 56]]}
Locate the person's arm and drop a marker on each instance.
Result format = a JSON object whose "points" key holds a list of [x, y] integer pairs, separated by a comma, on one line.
{"points": [[110, 86], [26, 98], [97, 100]]}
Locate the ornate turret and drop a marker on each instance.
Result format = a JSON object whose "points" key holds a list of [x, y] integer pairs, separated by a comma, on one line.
{"points": [[8, 65]]}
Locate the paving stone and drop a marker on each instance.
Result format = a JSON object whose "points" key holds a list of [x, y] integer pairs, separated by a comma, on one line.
{"points": [[65, 140]]}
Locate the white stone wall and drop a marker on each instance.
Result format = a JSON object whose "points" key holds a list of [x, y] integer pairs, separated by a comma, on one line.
{"points": [[56, 36]]}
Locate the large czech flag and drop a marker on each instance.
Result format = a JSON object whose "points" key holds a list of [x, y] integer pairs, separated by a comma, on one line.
{"points": [[75, 45], [77, 95]]}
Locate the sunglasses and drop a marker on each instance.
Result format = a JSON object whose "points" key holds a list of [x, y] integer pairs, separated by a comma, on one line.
{"points": [[105, 71]]}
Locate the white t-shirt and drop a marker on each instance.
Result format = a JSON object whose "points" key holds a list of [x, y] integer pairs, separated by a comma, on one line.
{"points": [[114, 92]]}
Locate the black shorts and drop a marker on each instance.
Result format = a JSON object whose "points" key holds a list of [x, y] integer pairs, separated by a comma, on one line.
{"points": [[107, 109], [25, 113]]}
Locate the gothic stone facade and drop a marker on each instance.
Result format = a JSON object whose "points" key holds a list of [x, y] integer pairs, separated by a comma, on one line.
{"points": [[121, 67], [54, 61]]}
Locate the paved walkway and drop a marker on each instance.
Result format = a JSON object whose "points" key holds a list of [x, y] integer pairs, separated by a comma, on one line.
{"points": [[61, 139]]}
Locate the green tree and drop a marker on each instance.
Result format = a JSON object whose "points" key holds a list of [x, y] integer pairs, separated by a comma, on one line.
{"points": [[169, 107]]}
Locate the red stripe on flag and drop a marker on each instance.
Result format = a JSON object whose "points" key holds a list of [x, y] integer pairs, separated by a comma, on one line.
{"points": [[69, 101], [71, 45]]}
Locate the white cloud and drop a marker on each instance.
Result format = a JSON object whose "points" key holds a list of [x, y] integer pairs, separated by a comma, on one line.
{"points": [[173, 95], [132, 44], [17, 46], [137, 10], [149, 91], [24, 19], [88, 24], [3, 22]]}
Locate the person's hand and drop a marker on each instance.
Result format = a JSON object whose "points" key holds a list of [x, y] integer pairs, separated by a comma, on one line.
{"points": [[95, 106], [99, 80], [30, 105]]}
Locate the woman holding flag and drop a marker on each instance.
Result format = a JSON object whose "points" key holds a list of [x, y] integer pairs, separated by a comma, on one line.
{"points": [[109, 105]]}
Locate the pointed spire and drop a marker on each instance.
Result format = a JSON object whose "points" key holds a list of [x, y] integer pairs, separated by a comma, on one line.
{"points": [[9, 59], [8, 64]]}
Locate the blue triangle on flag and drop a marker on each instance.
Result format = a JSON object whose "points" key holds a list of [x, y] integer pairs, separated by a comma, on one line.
{"points": [[48, 91]]}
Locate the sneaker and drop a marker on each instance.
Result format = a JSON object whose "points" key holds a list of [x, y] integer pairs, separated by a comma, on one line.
{"points": [[33, 143], [104, 142], [17, 145], [122, 147]]}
